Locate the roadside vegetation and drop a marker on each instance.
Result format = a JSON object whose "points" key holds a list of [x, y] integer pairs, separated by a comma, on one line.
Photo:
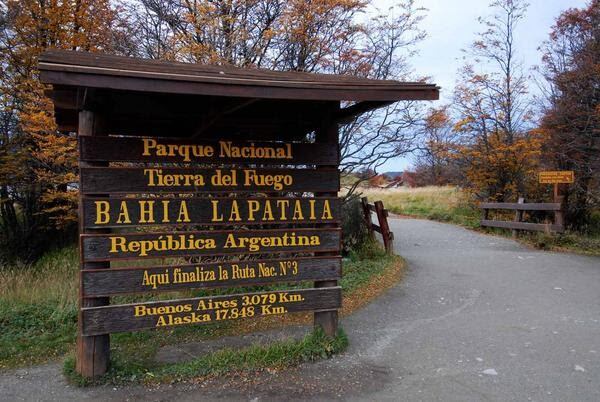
{"points": [[452, 205], [440, 203], [314, 346], [38, 316]]}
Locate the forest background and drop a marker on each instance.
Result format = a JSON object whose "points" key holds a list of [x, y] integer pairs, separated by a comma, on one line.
{"points": [[491, 139]]}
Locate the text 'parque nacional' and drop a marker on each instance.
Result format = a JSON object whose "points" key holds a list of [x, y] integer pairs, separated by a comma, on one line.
{"points": [[226, 149], [136, 149]]}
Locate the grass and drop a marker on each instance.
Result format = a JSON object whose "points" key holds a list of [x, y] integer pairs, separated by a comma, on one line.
{"points": [[444, 204], [452, 205], [569, 241], [316, 345], [38, 310], [362, 266]]}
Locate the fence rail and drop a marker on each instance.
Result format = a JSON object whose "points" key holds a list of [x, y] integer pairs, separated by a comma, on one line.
{"points": [[383, 228], [519, 208]]}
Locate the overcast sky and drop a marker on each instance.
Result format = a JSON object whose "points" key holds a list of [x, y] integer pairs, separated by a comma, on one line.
{"points": [[451, 25]]}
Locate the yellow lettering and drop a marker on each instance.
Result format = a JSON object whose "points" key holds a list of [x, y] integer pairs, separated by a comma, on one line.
{"points": [[268, 214], [117, 243], [102, 212], [123, 214], [183, 213], [312, 209], [326, 211], [297, 211], [146, 211], [148, 144], [282, 205], [140, 311], [234, 216], [165, 218], [253, 206], [216, 216]]}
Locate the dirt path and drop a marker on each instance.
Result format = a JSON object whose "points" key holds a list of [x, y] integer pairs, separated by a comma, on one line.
{"points": [[476, 318]]}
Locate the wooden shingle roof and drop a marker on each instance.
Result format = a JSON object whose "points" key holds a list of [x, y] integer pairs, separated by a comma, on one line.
{"points": [[93, 70]]}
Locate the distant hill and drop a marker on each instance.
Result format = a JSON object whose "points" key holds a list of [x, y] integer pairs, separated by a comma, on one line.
{"points": [[393, 175]]}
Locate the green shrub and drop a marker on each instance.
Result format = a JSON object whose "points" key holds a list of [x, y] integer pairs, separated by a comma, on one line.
{"points": [[354, 227]]}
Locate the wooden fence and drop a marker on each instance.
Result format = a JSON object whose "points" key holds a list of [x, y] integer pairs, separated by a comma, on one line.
{"points": [[382, 227], [519, 208]]}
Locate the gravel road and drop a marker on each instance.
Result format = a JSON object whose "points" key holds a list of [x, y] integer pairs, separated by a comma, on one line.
{"points": [[477, 318]]}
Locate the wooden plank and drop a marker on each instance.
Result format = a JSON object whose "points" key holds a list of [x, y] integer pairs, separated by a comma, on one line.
{"points": [[110, 282], [184, 180], [205, 310], [209, 242], [532, 206], [162, 211], [541, 227], [205, 151], [377, 228]]}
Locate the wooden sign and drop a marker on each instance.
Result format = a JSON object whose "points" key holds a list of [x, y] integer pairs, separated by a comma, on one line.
{"points": [[205, 310], [105, 247], [123, 212], [184, 180], [113, 281], [556, 177], [137, 149]]}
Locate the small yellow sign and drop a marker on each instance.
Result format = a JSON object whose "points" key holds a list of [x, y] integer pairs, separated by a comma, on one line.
{"points": [[557, 177]]}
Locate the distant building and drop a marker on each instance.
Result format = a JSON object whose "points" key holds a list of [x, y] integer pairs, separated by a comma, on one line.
{"points": [[400, 179]]}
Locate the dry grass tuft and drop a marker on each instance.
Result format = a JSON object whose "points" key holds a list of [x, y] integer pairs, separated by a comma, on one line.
{"points": [[53, 279]]}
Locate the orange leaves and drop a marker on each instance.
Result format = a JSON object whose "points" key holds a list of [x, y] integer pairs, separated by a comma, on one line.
{"points": [[502, 169], [38, 163]]}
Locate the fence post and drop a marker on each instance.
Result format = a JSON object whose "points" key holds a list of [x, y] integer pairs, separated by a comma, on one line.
{"points": [[559, 217], [385, 229], [368, 218], [518, 217], [485, 213]]}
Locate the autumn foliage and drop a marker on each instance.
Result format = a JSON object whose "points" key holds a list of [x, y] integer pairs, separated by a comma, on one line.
{"points": [[571, 120], [492, 138], [38, 165], [489, 139]]}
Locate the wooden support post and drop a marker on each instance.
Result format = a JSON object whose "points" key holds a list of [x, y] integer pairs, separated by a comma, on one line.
{"points": [[328, 133], [368, 216], [485, 214], [518, 217], [93, 352], [559, 217], [388, 238]]}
